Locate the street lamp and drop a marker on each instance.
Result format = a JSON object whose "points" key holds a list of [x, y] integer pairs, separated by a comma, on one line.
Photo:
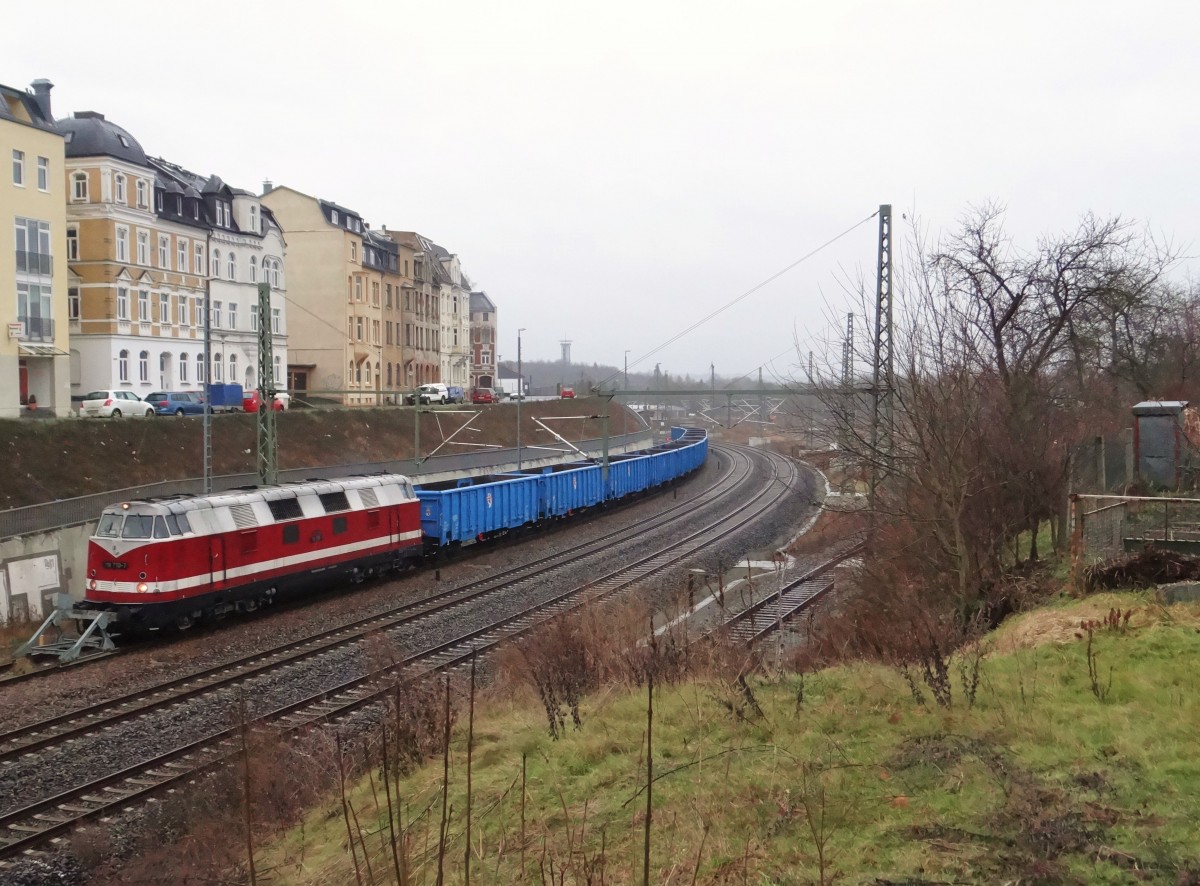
{"points": [[520, 396]]}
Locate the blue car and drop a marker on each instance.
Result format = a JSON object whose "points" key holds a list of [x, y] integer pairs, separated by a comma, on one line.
{"points": [[176, 403]]}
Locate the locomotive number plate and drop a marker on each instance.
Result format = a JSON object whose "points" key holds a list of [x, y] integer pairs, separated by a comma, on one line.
{"points": [[115, 564]]}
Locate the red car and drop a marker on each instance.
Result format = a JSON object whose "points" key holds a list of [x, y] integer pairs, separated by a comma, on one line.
{"points": [[568, 394], [483, 395]]}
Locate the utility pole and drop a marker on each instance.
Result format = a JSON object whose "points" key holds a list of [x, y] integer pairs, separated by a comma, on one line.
{"points": [[205, 385], [762, 399], [882, 377], [848, 380], [268, 442], [712, 368], [520, 396], [627, 370]]}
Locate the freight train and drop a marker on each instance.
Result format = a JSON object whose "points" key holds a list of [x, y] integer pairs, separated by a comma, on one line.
{"points": [[181, 559]]}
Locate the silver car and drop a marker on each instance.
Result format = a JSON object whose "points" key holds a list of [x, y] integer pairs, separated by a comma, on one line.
{"points": [[114, 404]]}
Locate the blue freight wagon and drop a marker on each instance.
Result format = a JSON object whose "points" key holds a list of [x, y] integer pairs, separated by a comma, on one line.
{"points": [[472, 508], [564, 489]]}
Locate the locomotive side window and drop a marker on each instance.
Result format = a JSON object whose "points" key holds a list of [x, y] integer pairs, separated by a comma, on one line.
{"points": [[339, 525], [291, 534], [184, 525], [173, 525], [160, 528], [110, 526], [137, 526], [334, 501], [285, 509]]}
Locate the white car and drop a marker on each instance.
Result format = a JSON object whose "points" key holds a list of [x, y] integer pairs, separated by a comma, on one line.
{"points": [[433, 393], [114, 404]]}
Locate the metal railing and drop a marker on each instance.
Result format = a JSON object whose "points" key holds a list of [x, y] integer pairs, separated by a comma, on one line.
{"points": [[87, 508]]}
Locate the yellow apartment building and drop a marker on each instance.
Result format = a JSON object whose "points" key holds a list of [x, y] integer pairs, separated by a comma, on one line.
{"points": [[34, 362]]}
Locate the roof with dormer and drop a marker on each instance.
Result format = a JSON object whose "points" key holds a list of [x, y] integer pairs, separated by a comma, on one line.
{"points": [[88, 134]]}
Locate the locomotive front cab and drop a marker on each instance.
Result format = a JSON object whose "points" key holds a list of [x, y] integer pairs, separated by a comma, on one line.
{"points": [[127, 553]]}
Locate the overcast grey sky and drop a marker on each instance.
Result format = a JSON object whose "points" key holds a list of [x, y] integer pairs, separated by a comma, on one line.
{"points": [[612, 172]]}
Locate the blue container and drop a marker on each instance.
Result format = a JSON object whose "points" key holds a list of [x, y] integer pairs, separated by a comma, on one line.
{"points": [[563, 489], [463, 510]]}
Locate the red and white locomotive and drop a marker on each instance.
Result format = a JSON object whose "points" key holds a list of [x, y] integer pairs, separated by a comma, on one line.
{"points": [[176, 560]]}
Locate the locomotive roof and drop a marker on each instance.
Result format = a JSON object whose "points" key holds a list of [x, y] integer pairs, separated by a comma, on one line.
{"points": [[181, 503]]}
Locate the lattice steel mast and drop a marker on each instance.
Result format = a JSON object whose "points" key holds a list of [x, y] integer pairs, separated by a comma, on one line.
{"points": [[268, 443], [883, 375]]}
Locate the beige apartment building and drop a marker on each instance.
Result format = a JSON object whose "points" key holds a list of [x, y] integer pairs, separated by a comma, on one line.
{"points": [[421, 311], [34, 362], [335, 337]]}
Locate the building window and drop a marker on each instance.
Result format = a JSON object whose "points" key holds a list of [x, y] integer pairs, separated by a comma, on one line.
{"points": [[143, 247], [181, 254], [233, 315], [199, 313], [43, 173], [122, 303], [144, 366], [358, 288], [164, 308], [72, 244], [332, 214], [353, 251], [233, 371], [254, 218], [79, 187], [141, 194], [358, 328], [119, 181], [122, 244], [232, 266], [144, 305], [278, 368], [164, 251], [198, 265], [216, 367], [253, 269], [200, 378], [183, 310], [277, 321], [216, 264], [123, 366], [183, 367], [18, 168], [276, 281], [216, 315], [73, 303]]}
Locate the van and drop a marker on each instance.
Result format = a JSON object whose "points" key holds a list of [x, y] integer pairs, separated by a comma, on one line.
{"points": [[455, 394]]}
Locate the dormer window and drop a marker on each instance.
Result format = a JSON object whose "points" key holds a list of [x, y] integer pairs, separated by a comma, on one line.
{"points": [[123, 140], [333, 216]]}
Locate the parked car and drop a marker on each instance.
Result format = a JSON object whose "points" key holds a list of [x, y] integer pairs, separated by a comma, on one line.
{"points": [[113, 404], [251, 401], [483, 395], [176, 403], [433, 393], [568, 393], [456, 394]]}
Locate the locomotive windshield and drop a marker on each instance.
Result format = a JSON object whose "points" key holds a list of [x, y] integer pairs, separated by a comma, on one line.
{"points": [[137, 526], [110, 525]]}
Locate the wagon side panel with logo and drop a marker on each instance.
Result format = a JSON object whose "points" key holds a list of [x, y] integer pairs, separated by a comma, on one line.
{"points": [[464, 510], [565, 489]]}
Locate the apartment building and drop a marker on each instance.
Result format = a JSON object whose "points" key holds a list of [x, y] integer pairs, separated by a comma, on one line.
{"points": [[453, 291], [421, 311], [335, 337], [245, 247], [35, 369], [484, 338]]}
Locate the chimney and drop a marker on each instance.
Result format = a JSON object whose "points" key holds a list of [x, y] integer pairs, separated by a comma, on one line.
{"points": [[41, 94], [267, 186]]}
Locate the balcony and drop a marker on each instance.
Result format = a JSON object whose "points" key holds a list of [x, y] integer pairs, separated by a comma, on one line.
{"points": [[37, 328], [34, 263]]}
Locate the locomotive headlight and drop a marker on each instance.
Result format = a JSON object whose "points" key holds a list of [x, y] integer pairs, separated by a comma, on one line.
{"points": [[142, 587], [93, 584]]}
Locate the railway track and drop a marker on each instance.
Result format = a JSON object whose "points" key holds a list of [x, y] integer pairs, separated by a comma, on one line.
{"points": [[44, 818], [766, 616]]}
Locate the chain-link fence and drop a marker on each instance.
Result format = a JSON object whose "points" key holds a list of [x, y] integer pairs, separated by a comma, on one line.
{"points": [[1106, 526]]}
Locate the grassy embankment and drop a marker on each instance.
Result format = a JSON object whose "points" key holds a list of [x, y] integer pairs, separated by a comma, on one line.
{"points": [[1051, 776]]}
